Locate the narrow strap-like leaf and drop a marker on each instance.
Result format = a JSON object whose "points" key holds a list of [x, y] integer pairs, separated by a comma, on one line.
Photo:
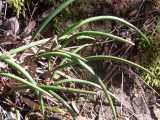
{"points": [[53, 14], [96, 34], [117, 59], [24, 47], [72, 28]]}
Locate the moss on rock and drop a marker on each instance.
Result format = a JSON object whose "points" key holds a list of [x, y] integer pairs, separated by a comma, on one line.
{"points": [[150, 58], [18, 6]]}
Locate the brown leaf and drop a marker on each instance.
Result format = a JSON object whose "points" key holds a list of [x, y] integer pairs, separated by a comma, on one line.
{"points": [[9, 30], [156, 111], [29, 28], [11, 26], [82, 118], [31, 103]]}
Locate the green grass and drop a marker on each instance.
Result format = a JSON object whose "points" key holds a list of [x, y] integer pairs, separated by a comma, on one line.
{"points": [[18, 6]]}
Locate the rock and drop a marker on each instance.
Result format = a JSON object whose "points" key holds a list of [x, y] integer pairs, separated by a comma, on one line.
{"points": [[156, 111]]}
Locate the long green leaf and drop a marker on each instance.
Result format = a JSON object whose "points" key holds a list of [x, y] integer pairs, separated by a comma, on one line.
{"points": [[77, 56], [73, 80], [24, 47], [104, 88], [56, 88], [65, 89], [29, 84], [53, 14], [61, 53], [13, 64], [89, 69], [106, 57], [72, 28], [74, 115], [117, 59], [55, 53], [95, 34], [35, 87], [42, 106], [74, 51]]}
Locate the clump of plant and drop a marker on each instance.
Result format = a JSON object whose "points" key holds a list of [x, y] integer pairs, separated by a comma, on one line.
{"points": [[154, 67], [151, 60], [69, 58], [18, 6]]}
